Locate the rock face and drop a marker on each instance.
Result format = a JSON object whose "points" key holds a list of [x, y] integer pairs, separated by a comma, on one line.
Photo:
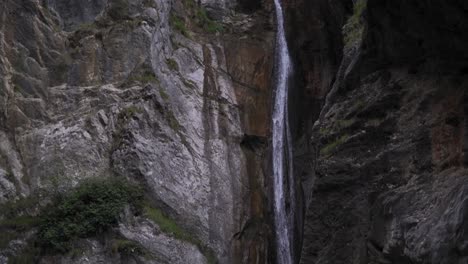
{"points": [[175, 96], [139, 89], [390, 142]]}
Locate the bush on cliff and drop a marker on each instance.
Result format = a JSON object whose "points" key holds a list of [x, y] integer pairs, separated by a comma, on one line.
{"points": [[90, 209]]}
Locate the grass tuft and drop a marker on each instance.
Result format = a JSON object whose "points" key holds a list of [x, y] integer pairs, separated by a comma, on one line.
{"points": [[328, 149], [169, 226]]}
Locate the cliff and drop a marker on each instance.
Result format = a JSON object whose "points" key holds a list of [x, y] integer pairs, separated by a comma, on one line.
{"points": [[389, 162], [139, 131], [172, 96]]}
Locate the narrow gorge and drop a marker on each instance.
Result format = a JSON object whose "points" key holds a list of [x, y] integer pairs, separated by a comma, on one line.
{"points": [[233, 131]]}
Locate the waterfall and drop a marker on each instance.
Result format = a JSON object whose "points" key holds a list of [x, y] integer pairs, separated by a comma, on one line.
{"points": [[282, 148]]}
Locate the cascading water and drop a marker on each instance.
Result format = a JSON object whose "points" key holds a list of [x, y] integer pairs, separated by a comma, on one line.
{"points": [[282, 148]]}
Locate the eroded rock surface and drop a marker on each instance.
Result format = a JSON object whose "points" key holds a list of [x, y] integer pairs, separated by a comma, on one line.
{"points": [[390, 171], [106, 88]]}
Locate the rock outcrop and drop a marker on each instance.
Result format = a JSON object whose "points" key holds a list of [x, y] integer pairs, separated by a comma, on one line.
{"points": [[390, 170]]}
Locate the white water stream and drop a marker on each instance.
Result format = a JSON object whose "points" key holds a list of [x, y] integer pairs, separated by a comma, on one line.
{"points": [[282, 148]]}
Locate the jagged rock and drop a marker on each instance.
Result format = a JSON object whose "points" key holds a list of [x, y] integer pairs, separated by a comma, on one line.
{"points": [[390, 183], [92, 89]]}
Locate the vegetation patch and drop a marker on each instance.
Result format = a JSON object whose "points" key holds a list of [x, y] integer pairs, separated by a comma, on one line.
{"points": [[172, 64], [170, 227], [129, 113], [204, 22], [328, 149], [179, 25], [89, 210], [345, 123], [163, 94], [166, 224], [324, 131], [144, 78], [173, 122], [128, 248], [354, 28], [198, 18]]}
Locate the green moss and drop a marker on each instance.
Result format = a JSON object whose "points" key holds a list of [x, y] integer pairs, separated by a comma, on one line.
{"points": [[173, 122], [166, 224], [179, 25], [324, 131], [328, 149], [172, 64], [148, 77], [345, 123], [206, 23], [354, 28], [163, 94], [143, 75], [87, 26], [197, 17], [144, 78], [90, 209]]}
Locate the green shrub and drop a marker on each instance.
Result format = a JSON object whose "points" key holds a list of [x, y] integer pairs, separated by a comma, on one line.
{"points": [[90, 209], [353, 29]]}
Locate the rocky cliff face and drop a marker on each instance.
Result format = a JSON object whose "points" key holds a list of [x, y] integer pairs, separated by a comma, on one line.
{"points": [[390, 181], [150, 91], [174, 96]]}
